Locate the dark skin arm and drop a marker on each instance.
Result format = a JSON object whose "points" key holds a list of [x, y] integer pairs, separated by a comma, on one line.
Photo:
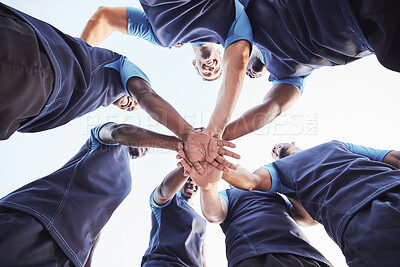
{"points": [[392, 158], [131, 135], [197, 146], [278, 99], [300, 215]]}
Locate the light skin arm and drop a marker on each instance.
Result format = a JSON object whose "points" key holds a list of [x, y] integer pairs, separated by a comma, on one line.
{"points": [[103, 23], [241, 178], [213, 207], [278, 99], [131, 135], [169, 186], [203, 253], [234, 64], [300, 215], [392, 158]]}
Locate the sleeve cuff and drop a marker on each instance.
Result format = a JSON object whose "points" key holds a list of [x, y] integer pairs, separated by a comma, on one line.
{"points": [[296, 81], [95, 135]]}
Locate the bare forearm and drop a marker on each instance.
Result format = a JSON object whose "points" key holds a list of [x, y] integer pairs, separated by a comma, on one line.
{"points": [[159, 109], [234, 63], [211, 205], [252, 120], [243, 179], [169, 186], [131, 135], [279, 98]]}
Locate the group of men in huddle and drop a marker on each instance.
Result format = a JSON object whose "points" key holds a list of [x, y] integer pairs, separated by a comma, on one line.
{"points": [[50, 78]]}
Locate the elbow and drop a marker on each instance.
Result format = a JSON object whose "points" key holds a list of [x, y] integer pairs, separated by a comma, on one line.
{"points": [[213, 219], [140, 89]]}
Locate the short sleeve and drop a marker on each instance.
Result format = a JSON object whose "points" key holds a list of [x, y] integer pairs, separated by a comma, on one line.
{"points": [[296, 81], [276, 184], [94, 135], [240, 28], [139, 25], [223, 194], [127, 70], [155, 208], [371, 153]]}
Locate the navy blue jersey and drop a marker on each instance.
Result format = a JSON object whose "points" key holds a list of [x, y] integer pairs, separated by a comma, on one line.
{"points": [[84, 78], [177, 234], [75, 202], [188, 21], [296, 37], [333, 183], [258, 223]]}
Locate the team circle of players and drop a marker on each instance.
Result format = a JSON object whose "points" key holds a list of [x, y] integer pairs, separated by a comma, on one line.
{"points": [[49, 78]]}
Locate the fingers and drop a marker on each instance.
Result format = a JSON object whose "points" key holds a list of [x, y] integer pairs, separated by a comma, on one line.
{"points": [[187, 168], [220, 167], [225, 163], [199, 168], [182, 155], [225, 143], [225, 152]]}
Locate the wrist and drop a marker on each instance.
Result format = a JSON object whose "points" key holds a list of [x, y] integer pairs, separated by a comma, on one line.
{"points": [[213, 132], [186, 132]]}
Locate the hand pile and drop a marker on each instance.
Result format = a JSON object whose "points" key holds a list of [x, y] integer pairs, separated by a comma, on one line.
{"points": [[202, 157]]}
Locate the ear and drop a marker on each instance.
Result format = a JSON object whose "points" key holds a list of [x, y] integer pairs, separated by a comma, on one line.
{"points": [[194, 62], [293, 143]]}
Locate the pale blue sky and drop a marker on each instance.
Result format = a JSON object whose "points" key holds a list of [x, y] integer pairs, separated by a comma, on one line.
{"points": [[356, 103]]}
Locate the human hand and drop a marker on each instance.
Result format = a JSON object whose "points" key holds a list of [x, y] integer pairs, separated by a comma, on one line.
{"points": [[202, 147], [210, 176]]}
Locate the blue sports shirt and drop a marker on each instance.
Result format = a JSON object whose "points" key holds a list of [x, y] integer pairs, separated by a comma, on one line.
{"points": [[177, 234], [76, 201], [170, 34], [85, 77]]}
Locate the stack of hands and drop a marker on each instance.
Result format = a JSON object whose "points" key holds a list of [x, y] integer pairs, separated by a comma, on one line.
{"points": [[203, 158]]}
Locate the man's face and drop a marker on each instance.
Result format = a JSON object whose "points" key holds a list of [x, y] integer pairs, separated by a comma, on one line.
{"points": [[126, 103], [209, 68], [280, 150], [189, 189]]}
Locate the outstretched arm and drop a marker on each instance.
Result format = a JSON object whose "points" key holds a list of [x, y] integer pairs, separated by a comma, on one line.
{"points": [[103, 23], [198, 146], [159, 109], [241, 178], [169, 186], [300, 215], [131, 135], [278, 99], [234, 64], [213, 207]]}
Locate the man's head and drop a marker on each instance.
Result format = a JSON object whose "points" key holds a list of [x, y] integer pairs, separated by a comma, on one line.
{"points": [[282, 150], [137, 152], [126, 103], [207, 62], [255, 68], [189, 189]]}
